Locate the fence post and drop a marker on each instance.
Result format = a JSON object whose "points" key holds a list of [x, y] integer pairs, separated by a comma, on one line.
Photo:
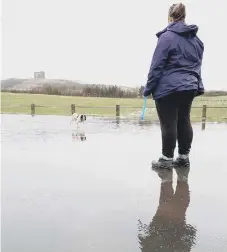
{"points": [[117, 110], [73, 110], [117, 114], [32, 109], [204, 116]]}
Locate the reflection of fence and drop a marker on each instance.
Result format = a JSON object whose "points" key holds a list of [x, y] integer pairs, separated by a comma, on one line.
{"points": [[200, 113]]}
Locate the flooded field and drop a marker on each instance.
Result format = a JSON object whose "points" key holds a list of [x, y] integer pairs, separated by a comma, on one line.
{"points": [[63, 194]]}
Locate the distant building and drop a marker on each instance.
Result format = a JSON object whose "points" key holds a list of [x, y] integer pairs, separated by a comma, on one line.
{"points": [[39, 75]]}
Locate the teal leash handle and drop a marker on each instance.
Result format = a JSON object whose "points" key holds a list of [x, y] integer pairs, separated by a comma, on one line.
{"points": [[144, 108]]}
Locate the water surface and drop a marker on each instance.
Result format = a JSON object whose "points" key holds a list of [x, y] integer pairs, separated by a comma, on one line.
{"points": [[63, 194]]}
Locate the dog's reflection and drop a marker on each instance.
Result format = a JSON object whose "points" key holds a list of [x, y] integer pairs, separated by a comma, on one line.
{"points": [[78, 136], [168, 231]]}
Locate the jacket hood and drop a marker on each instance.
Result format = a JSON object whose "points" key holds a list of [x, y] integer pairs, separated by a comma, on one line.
{"points": [[181, 29]]}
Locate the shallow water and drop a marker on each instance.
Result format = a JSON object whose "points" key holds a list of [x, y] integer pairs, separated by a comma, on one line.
{"points": [[63, 194]]}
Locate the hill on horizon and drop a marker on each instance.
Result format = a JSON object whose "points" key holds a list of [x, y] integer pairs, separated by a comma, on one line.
{"points": [[28, 84]]}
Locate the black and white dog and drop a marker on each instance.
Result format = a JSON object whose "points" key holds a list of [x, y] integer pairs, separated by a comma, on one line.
{"points": [[78, 118]]}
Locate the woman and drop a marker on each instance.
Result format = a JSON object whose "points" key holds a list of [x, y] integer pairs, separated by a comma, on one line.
{"points": [[174, 80]]}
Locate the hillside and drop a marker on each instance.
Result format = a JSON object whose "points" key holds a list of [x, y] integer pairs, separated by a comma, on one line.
{"points": [[68, 87], [28, 84]]}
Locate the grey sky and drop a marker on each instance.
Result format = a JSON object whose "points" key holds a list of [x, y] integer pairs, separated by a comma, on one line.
{"points": [[103, 41]]}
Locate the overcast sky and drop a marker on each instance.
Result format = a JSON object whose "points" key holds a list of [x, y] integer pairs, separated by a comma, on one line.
{"points": [[103, 41]]}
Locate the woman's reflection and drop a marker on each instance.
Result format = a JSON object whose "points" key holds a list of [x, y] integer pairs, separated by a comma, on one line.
{"points": [[168, 231]]}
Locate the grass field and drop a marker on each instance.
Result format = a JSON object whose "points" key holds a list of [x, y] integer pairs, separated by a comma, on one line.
{"points": [[61, 105]]}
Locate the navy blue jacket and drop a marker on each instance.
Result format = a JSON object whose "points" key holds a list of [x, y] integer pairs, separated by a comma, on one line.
{"points": [[176, 63]]}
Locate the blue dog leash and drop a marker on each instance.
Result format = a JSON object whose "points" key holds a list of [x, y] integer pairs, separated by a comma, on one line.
{"points": [[144, 108]]}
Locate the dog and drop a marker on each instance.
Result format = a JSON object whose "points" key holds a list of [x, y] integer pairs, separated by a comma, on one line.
{"points": [[78, 118]]}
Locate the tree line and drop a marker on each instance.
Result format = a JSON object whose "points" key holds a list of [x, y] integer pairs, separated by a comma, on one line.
{"points": [[93, 90]]}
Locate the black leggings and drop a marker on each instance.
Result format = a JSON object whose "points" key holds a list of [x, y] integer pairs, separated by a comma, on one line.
{"points": [[174, 115]]}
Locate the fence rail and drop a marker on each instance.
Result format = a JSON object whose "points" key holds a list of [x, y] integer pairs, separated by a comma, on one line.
{"points": [[116, 110], [103, 107]]}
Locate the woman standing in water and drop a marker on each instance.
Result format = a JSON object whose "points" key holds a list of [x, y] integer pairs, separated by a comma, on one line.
{"points": [[174, 80]]}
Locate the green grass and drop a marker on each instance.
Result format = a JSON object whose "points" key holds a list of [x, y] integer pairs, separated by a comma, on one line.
{"points": [[61, 105]]}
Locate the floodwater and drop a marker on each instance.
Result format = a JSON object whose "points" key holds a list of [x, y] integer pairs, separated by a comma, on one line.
{"points": [[63, 194]]}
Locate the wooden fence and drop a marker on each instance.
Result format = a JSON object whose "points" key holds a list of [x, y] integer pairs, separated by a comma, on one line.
{"points": [[118, 108]]}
